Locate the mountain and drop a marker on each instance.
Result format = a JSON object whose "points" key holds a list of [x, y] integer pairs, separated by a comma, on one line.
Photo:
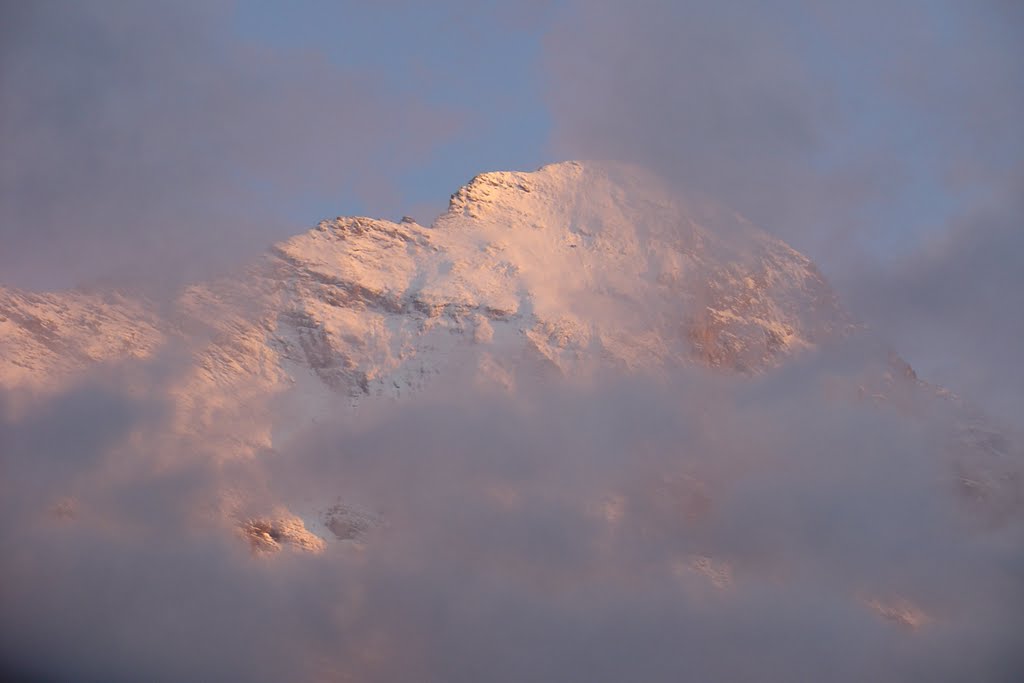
{"points": [[567, 266], [563, 271], [572, 270]]}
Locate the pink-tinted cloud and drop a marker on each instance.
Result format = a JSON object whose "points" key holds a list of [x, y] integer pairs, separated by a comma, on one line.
{"points": [[636, 528]]}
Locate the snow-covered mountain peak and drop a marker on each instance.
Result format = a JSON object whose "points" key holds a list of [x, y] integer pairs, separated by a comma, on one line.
{"points": [[565, 272], [578, 261], [571, 266]]}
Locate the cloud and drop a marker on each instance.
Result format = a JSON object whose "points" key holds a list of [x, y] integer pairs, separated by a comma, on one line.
{"points": [[810, 119], [870, 136], [952, 306], [154, 142], [625, 528]]}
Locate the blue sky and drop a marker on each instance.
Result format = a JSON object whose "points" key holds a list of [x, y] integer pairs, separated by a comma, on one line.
{"points": [[489, 65], [483, 61]]}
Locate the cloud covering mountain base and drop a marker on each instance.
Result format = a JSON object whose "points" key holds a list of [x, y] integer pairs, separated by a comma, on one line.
{"points": [[695, 526]]}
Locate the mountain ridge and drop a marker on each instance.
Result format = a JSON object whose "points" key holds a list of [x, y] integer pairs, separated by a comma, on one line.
{"points": [[529, 246]]}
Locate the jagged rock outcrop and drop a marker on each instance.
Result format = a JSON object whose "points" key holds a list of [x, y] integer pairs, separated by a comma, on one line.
{"points": [[280, 530]]}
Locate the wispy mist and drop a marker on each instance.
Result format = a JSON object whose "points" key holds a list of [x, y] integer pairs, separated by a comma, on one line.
{"points": [[154, 142], [882, 139], [626, 529]]}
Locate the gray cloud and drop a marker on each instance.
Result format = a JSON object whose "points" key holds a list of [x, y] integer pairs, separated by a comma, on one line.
{"points": [[867, 135], [150, 141], [499, 559], [953, 307]]}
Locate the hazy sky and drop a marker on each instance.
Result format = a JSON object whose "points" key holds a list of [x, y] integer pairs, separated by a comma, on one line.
{"points": [[864, 126]]}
